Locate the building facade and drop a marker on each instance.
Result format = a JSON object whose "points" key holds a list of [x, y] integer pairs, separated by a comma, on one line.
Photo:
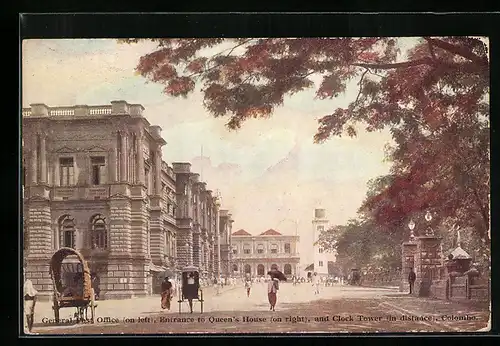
{"points": [[324, 261], [94, 180], [256, 255]]}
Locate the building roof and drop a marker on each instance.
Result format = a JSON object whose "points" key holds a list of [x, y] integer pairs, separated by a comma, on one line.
{"points": [[241, 232], [271, 232]]}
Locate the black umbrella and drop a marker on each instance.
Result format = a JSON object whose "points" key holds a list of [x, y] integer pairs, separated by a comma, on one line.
{"points": [[276, 274]]}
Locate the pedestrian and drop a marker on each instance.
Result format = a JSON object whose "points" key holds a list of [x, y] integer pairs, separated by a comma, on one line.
{"points": [[294, 280], [191, 290], [248, 285], [316, 282], [30, 295], [166, 293], [272, 291], [95, 285], [411, 279]]}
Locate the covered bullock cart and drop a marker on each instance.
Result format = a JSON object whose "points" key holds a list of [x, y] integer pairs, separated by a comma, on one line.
{"points": [[72, 284]]}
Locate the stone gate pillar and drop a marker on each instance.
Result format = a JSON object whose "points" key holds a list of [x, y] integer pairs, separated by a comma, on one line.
{"points": [[409, 250], [427, 263]]}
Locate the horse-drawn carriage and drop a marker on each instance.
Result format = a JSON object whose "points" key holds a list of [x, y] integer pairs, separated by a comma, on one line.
{"points": [[72, 284], [189, 289]]}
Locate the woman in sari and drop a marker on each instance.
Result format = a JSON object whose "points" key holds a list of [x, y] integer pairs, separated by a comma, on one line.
{"points": [[166, 293], [272, 291]]}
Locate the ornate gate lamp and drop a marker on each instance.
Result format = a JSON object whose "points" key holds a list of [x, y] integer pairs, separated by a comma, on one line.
{"points": [[411, 226], [428, 218], [428, 232]]}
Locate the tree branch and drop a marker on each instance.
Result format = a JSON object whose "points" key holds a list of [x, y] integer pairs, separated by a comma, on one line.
{"points": [[469, 55], [360, 86], [423, 61], [218, 54], [431, 50]]}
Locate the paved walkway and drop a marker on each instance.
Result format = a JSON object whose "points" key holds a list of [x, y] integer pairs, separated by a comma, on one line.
{"points": [[335, 309]]}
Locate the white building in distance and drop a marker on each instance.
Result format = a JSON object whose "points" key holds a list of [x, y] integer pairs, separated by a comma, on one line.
{"points": [[323, 261]]}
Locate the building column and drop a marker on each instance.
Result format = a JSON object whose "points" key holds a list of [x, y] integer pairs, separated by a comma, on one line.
{"points": [[158, 171], [43, 159], [140, 160], [123, 158], [113, 163], [34, 160]]}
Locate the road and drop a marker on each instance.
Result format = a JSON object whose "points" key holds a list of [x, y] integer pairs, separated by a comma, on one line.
{"points": [[336, 309]]}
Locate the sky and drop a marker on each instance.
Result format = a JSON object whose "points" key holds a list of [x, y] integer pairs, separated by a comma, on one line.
{"points": [[270, 173]]}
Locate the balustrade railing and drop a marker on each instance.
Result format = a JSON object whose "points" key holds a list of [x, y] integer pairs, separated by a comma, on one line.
{"points": [[83, 110]]}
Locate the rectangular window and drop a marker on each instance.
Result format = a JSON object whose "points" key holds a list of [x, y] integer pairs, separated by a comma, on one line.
{"points": [[320, 250], [260, 250], [287, 248], [246, 251], [235, 251], [320, 263], [66, 171], [274, 250], [98, 170]]}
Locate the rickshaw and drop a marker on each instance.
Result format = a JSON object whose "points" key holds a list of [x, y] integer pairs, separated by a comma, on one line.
{"points": [[189, 289], [72, 284]]}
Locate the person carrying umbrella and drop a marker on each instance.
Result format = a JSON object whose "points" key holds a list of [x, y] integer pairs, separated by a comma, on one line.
{"points": [[275, 276], [272, 290]]}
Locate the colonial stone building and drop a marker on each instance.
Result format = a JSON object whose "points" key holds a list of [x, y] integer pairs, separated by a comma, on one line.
{"points": [[94, 180], [257, 254]]}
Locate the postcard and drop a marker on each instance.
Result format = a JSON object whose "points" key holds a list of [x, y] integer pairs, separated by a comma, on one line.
{"points": [[256, 185]]}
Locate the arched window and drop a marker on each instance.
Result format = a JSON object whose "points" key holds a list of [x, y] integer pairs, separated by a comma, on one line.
{"points": [[260, 248], [260, 269], [248, 269], [99, 232], [287, 269], [275, 266], [274, 248], [235, 267], [67, 231]]}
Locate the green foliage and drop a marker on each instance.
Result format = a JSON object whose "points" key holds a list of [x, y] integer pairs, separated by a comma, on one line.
{"points": [[361, 243]]}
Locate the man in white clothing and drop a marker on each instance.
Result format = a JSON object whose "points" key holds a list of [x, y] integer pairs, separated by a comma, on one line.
{"points": [[30, 294], [316, 282]]}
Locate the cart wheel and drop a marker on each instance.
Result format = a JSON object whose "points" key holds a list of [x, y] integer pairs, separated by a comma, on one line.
{"points": [[56, 313], [201, 300], [55, 307], [92, 312]]}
